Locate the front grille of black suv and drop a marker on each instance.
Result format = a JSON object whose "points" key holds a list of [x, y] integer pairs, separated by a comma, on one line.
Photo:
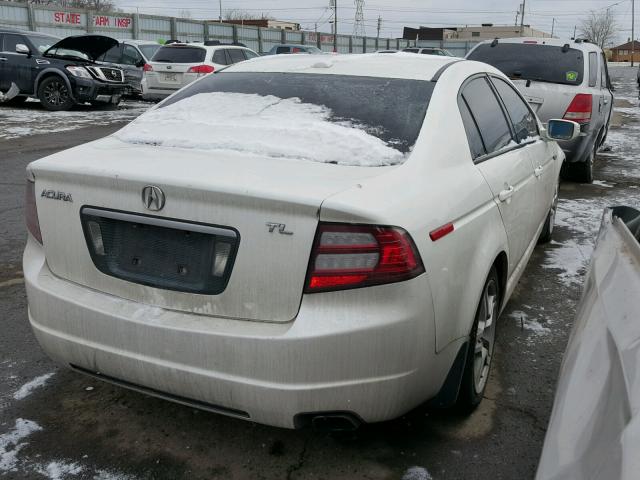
{"points": [[159, 252]]}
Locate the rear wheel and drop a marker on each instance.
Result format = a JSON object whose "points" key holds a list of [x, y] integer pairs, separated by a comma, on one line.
{"points": [[481, 345], [582, 171], [54, 94]]}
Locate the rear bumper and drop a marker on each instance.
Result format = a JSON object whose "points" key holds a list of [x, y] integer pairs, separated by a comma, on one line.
{"points": [[370, 352], [578, 150]]}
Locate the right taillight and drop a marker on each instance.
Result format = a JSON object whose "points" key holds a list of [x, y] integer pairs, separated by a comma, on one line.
{"points": [[353, 256], [147, 68], [31, 212], [201, 69], [580, 108]]}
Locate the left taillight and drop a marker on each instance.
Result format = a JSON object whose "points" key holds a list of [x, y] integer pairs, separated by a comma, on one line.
{"points": [[353, 256], [201, 69], [31, 211]]}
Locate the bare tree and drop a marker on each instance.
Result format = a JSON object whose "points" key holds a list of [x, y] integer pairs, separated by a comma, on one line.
{"points": [[96, 5], [600, 28], [244, 15]]}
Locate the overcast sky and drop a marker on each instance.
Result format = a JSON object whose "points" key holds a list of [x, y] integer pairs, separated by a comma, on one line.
{"points": [[398, 13]]}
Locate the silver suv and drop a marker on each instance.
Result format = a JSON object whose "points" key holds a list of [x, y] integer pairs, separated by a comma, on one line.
{"points": [[560, 79]]}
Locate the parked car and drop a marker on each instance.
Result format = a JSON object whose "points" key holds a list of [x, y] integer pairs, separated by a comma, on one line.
{"points": [[60, 73], [270, 244], [560, 79], [594, 431], [178, 64], [293, 48], [130, 56], [429, 51]]}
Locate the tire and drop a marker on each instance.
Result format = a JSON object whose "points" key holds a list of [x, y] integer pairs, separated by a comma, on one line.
{"points": [[547, 231], [582, 172], [481, 346], [54, 94]]}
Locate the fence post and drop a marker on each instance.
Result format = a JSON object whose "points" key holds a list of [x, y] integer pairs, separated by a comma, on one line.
{"points": [[173, 28], [235, 34], [260, 48], [89, 20], [364, 44], [303, 38], [283, 36], [136, 26], [205, 31], [31, 17], [350, 43]]}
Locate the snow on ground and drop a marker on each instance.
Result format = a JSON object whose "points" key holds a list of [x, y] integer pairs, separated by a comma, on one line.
{"points": [[529, 323], [32, 119], [261, 125], [417, 473], [13, 441], [29, 387], [59, 470]]}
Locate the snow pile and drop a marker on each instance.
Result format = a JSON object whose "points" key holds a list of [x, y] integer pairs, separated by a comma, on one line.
{"points": [[417, 473], [29, 387], [59, 470], [12, 442], [260, 125]]}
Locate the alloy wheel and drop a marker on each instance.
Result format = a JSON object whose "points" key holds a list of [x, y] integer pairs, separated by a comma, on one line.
{"points": [[485, 335], [56, 93]]}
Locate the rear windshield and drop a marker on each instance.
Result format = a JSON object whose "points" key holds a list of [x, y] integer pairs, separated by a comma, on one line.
{"points": [[349, 120], [543, 63], [180, 55], [149, 50]]}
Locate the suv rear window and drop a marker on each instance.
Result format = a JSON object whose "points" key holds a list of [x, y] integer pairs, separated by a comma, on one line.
{"points": [[347, 120], [173, 54], [542, 63]]}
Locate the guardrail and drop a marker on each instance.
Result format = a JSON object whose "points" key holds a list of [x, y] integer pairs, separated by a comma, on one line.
{"points": [[76, 21]]}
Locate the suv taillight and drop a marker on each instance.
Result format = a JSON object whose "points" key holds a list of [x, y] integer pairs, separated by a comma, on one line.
{"points": [[580, 108], [201, 69], [352, 256], [147, 68], [31, 212]]}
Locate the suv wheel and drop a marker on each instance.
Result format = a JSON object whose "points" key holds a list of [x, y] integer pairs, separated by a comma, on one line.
{"points": [[481, 343], [54, 94], [580, 171]]}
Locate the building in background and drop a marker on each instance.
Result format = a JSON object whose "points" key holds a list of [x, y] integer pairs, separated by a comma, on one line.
{"points": [[486, 31], [622, 53], [267, 23]]}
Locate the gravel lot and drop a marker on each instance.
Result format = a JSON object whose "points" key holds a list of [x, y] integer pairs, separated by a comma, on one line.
{"points": [[55, 424]]}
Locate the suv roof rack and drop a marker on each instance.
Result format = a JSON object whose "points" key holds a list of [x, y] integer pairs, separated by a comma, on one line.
{"points": [[213, 43]]}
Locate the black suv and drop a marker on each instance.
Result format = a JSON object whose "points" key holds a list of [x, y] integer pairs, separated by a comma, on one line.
{"points": [[61, 73]]}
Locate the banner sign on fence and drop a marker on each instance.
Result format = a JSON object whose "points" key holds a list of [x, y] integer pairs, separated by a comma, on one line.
{"points": [[108, 21], [313, 37], [67, 18]]}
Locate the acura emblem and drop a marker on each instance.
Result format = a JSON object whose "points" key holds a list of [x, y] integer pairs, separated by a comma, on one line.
{"points": [[153, 198]]}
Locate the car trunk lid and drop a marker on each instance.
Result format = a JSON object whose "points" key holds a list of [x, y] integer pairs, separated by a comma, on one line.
{"points": [[268, 207]]}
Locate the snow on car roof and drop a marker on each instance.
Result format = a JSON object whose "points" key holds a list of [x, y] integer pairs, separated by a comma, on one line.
{"points": [[399, 65]]}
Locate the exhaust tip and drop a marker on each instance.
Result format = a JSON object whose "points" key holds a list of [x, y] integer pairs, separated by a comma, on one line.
{"points": [[328, 421]]}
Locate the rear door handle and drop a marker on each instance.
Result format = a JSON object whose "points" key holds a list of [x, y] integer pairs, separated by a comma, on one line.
{"points": [[538, 171], [505, 195]]}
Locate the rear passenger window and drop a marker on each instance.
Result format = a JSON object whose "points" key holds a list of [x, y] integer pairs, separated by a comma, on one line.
{"points": [[593, 69], [282, 50], [220, 57], [488, 114], [523, 120], [236, 55], [473, 134], [249, 54]]}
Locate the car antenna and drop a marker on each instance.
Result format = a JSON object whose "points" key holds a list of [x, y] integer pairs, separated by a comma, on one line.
{"points": [[494, 43]]}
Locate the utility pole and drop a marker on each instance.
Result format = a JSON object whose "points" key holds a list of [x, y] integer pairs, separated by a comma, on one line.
{"points": [[553, 26], [633, 30], [524, 4], [379, 27], [220, 16], [574, 31], [517, 16], [335, 26]]}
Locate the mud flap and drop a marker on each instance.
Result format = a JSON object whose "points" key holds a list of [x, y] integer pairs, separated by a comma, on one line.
{"points": [[11, 93], [448, 394]]}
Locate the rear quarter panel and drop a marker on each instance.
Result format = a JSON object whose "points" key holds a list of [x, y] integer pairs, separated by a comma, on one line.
{"points": [[438, 184]]}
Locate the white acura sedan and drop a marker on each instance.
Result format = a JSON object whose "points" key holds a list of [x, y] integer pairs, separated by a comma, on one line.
{"points": [[297, 239]]}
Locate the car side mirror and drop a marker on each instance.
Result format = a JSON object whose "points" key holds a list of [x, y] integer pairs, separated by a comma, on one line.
{"points": [[562, 130], [23, 49]]}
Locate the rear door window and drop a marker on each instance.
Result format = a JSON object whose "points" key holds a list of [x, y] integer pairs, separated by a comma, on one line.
{"points": [[593, 69], [488, 114], [180, 55], [249, 54], [130, 55], [542, 63], [236, 55], [282, 50], [220, 57], [523, 120]]}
